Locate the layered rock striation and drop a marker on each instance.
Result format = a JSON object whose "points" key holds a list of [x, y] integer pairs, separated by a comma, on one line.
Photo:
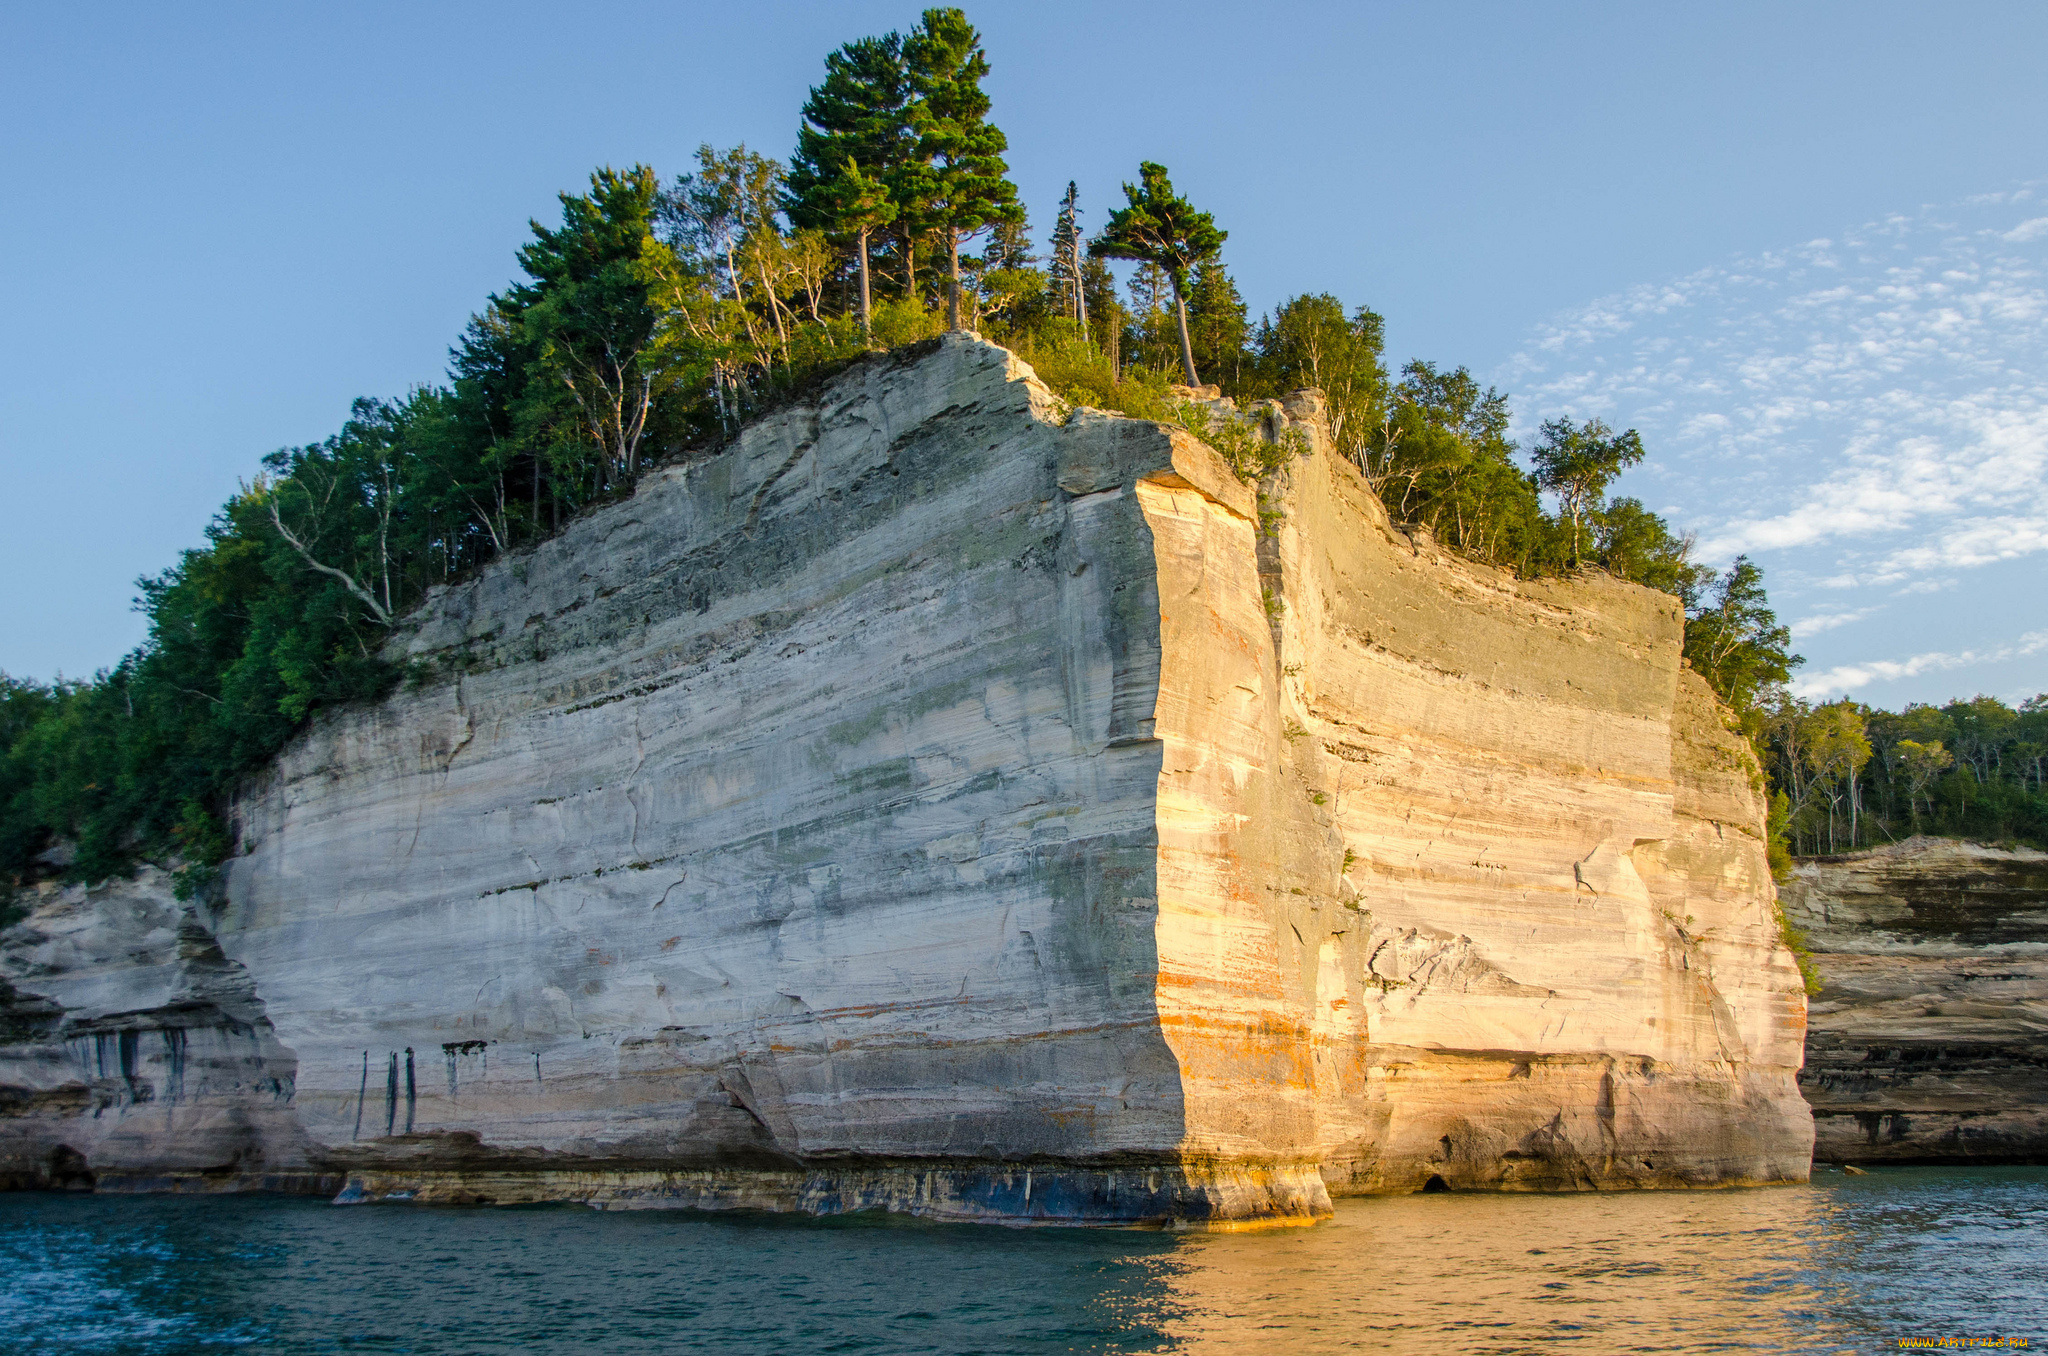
{"points": [[948, 801], [134, 1053], [1929, 1037]]}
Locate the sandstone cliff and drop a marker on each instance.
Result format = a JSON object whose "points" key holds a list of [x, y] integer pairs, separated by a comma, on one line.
{"points": [[1929, 1041], [947, 801]]}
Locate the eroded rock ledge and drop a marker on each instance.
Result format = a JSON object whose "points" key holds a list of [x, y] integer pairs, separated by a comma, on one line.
{"points": [[1929, 1041], [945, 801]]}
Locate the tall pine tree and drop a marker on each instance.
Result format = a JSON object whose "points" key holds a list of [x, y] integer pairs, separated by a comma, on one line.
{"points": [[1161, 227], [1065, 265], [960, 183], [860, 114]]}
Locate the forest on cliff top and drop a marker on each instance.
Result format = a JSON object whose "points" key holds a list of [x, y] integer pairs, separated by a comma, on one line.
{"points": [[658, 316]]}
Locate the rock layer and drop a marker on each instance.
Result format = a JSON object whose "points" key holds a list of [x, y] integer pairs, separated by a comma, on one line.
{"points": [[943, 800], [134, 1054], [1466, 869], [1929, 1038]]}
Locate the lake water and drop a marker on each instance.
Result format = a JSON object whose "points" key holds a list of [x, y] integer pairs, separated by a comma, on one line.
{"points": [[1847, 1264]]}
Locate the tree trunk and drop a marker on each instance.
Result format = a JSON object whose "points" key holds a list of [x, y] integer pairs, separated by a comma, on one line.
{"points": [[1187, 349], [1080, 290], [910, 269], [867, 330], [953, 282]]}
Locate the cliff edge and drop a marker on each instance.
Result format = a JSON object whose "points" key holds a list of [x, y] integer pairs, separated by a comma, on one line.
{"points": [[943, 800]]}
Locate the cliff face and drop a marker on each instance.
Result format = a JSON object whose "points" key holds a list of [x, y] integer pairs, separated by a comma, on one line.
{"points": [[1929, 1041], [131, 1048], [1466, 869], [946, 801]]}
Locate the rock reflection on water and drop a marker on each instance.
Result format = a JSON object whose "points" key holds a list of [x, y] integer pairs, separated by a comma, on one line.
{"points": [[1849, 1264]]}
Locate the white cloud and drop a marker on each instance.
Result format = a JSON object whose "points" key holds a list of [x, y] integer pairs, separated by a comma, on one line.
{"points": [[1848, 677], [1865, 415], [1827, 621], [1884, 391]]}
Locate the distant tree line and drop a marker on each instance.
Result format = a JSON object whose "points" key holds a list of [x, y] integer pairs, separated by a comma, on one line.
{"points": [[1850, 776], [657, 317]]}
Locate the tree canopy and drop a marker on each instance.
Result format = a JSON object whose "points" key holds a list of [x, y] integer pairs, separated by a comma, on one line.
{"points": [[652, 320], [1576, 463]]}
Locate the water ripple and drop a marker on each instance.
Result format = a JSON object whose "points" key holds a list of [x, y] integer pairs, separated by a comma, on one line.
{"points": [[1849, 1264]]}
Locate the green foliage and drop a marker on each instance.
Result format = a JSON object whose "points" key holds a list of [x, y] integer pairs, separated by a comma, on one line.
{"points": [[1002, 285], [1083, 374], [1253, 451], [1441, 458], [1157, 226], [958, 181], [1802, 955], [1632, 543], [1854, 776], [1576, 463], [1777, 839], [1734, 641], [1309, 341], [859, 115], [1217, 328]]}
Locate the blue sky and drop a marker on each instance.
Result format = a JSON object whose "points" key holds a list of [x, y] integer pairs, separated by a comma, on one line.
{"points": [[1809, 223]]}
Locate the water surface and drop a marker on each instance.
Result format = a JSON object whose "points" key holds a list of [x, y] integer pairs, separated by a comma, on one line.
{"points": [[1848, 1264]]}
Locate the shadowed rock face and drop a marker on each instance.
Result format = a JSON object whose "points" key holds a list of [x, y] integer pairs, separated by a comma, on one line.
{"points": [[1929, 1041], [135, 1055], [940, 801]]}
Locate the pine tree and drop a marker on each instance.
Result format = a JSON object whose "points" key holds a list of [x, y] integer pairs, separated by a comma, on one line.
{"points": [[860, 205], [1066, 260], [959, 183], [1160, 227], [1098, 292], [860, 112], [1216, 319]]}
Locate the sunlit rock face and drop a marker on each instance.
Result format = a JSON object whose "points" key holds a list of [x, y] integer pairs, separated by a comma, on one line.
{"points": [[1465, 870], [945, 801], [1929, 1039]]}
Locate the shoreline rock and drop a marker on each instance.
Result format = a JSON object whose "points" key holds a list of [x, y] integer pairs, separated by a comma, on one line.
{"points": [[1929, 1041]]}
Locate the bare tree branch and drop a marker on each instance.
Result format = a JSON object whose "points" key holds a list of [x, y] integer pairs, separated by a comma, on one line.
{"points": [[368, 599]]}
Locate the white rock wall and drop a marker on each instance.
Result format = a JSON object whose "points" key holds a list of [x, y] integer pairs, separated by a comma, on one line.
{"points": [[943, 803]]}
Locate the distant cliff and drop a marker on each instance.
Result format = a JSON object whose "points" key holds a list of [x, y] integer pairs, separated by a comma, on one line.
{"points": [[1929, 1041], [947, 801]]}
